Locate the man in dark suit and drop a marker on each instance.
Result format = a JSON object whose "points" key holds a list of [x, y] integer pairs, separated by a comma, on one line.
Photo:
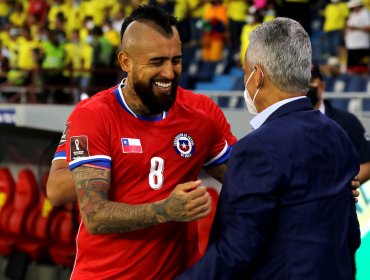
{"points": [[285, 209], [348, 121]]}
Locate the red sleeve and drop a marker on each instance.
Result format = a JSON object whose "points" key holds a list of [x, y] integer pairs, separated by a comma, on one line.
{"points": [[88, 140], [218, 117]]}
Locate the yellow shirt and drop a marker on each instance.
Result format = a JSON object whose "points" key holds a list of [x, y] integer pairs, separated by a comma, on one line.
{"points": [[236, 9], [54, 10], [87, 58], [113, 37], [12, 46], [335, 16], [18, 19], [367, 4], [26, 58], [4, 38], [94, 8], [244, 38], [75, 19], [181, 9], [4, 8], [83, 34], [78, 56], [197, 10]]}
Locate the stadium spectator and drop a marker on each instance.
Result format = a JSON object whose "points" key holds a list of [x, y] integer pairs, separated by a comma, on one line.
{"points": [[4, 11], [215, 31], [53, 60], [254, 19], [4, 66], [110, 33], [196, 18], [117, 19], [285, 210], [102, 62], [39, 8], [269, 13], [87, 26], [152, 58], [57, 7], [79, 56], [335, 15], [18, 15], [96, 9], [357, 38], [75, 17], [236, 11], [27, 59], [346, 120]]}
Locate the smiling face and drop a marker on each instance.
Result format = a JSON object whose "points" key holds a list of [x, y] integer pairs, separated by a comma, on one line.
{"points": [[152, 61]]}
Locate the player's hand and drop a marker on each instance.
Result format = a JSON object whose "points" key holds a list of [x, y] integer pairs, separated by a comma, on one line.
{"points": [[355, 184], [187, 202]]}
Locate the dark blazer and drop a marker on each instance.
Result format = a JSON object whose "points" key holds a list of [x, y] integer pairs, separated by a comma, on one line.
{"points": [[285, 209]]}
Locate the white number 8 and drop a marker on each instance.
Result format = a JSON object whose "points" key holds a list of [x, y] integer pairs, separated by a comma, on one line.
{"points": [[156, 173]]}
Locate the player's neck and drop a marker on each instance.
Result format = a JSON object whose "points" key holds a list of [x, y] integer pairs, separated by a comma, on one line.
{"points": [[135, 104]]}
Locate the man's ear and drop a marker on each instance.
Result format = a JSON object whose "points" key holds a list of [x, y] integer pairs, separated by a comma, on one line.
{"points": [[259, 79], [124, 61]]}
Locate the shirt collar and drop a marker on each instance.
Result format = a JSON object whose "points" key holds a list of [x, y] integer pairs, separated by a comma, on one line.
{"points": [[261, 117], [322, 107], [122, 101]]}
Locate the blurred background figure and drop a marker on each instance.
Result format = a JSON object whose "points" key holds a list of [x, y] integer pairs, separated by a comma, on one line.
{"points": [[237, 10], [215, 30], [52, 58], [357, 38], [335, 15], [38, 8], [253, 20]]}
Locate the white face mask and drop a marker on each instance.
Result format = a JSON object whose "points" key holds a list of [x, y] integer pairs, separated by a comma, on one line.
{"points": [[248, 100]]}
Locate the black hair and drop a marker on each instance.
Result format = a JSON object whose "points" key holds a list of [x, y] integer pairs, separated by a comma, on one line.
{"points": [[151, 13], [316, 73]]}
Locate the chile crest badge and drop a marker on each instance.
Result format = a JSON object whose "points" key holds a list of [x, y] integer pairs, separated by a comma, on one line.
{"points": [[184, 145]]}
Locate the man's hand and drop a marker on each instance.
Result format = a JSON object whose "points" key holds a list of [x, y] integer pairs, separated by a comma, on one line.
{"points": [[355, 184], [187, 202]]}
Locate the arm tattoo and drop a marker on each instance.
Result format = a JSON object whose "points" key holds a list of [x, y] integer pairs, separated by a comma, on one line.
{"points": [[102, 216]]}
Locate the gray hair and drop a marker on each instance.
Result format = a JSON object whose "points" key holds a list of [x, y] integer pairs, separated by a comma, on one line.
{"points": [[283, 49]]}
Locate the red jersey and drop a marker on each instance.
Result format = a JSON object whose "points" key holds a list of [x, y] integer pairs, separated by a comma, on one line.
{"points": [[60, 152], [148, 157], [198, 101]]}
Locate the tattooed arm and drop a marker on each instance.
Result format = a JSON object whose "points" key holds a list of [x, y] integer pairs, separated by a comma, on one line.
{"points": [[187, 202]]}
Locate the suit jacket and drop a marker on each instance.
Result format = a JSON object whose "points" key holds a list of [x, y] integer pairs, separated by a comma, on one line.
{"points": [[285, 209]]}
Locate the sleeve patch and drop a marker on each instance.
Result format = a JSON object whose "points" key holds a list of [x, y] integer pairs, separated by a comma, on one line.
{"points": [[64, 137], [79, 147]]}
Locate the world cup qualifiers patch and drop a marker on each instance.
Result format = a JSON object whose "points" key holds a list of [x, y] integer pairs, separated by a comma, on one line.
{"points": [[64, 137], [79, 147], [184, 145]]}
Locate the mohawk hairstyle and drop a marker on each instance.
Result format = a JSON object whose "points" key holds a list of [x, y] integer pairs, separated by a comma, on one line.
{"points": [[152, 14]]}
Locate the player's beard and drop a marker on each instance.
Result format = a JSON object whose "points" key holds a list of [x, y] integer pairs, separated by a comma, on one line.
{"points": [[160, 103]]}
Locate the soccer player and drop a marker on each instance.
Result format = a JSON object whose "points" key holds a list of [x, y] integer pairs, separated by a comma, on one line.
{"points": [[135, 153], [60, 185]]}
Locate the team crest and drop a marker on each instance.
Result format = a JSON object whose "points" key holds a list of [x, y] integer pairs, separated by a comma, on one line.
{"points": [[184, 145]]}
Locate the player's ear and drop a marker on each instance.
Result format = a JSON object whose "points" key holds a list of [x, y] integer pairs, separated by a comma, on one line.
{"points": [[124, 60]]}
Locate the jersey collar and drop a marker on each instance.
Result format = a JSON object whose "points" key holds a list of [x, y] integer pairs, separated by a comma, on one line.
{"points": [[121, 100]]}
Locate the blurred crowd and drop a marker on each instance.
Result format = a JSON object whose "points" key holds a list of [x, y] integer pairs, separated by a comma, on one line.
{"points": [[60, 43]]}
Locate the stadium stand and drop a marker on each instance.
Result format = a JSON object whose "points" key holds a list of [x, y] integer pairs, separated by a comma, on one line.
{"points": [[63, 230], [7, 186], [26, 218]]}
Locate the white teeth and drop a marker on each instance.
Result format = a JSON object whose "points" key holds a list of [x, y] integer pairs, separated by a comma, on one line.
{"points": [[163, 85]]}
